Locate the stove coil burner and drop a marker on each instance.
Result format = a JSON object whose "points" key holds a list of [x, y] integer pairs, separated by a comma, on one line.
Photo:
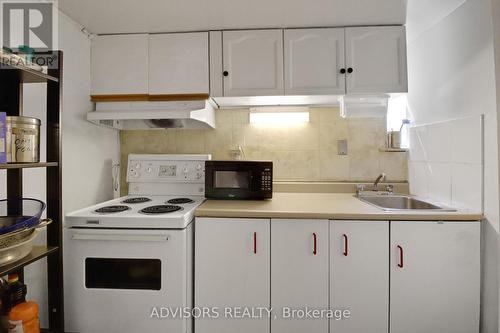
{"points": [[112, 209], [160, 209], [178, 201], [136, 200]]}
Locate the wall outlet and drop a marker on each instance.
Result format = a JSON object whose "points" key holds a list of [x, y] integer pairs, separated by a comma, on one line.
{"points": [[342, 147]]}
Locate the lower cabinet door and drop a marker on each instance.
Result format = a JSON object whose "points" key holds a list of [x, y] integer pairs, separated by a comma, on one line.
{"points": [[359, 254], [435, 277], [232, 274], [299, 275]]}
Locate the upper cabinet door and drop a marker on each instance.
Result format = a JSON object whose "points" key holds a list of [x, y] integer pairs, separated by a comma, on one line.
{"points": [[253, 62], [314, 59], [435, 277], [299, 273], [178, 63], [376, 60], [120, 64]]}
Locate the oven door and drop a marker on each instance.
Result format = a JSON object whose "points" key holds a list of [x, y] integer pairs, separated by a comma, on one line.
{"points": [[116, 278]]}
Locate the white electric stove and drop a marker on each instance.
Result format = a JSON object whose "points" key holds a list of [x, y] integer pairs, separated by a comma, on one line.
{"points": [[130, 257], [138, 212]]}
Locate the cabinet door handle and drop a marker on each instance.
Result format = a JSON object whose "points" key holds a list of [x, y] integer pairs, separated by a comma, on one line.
{"points": [[342, 71], [350, 70], [346, 245], [254, 243], [225, 73], [315, 243], [401, 257]]}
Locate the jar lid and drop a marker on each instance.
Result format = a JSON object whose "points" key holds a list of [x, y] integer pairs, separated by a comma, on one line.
{"points": [[23, 120], [13, 277]]}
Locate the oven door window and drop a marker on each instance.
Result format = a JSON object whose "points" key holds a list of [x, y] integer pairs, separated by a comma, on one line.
{"points": [[119, 273], [232, 179]]}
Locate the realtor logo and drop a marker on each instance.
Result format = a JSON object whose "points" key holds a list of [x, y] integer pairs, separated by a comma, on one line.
{"points": [[30, 24]]}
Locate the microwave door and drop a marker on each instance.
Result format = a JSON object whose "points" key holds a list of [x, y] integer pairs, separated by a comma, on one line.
{"points": [[232, 179]]}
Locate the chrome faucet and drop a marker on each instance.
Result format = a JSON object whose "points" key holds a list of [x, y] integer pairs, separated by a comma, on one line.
{"points": [[380, 178]]}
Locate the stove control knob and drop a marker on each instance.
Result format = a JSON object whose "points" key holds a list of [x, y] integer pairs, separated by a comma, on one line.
{"points": [[136, 174], [138, 165], [198, 167], [186, 171], [149, 170]]}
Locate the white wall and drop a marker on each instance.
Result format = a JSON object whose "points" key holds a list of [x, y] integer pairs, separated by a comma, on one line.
{"points": [[87, 149], [451, 76], [496, 34]]}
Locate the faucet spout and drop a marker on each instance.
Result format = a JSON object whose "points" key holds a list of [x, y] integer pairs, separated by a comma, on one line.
{"points": [[380, 178]]}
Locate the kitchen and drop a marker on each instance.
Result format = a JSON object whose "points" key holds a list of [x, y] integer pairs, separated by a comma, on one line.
{"points": [[219, 159]]}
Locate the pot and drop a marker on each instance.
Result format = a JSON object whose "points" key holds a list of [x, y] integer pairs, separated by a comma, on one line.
{"points": [[23, 140]]}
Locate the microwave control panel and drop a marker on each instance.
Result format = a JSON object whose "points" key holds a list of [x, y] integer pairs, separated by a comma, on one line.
{"points": [[165, 171], [267, 180]]}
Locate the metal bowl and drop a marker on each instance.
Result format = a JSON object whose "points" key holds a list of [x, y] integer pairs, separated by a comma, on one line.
{"points": [[18, 236], [17, 251], [18, 244]]}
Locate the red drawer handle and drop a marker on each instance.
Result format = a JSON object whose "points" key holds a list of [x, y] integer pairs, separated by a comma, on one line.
{"points": [[401, 257], [346, 245], [255, 243], [315, 241]]}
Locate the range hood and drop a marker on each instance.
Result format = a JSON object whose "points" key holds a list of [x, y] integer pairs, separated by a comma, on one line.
{"points": [[154, 115]]}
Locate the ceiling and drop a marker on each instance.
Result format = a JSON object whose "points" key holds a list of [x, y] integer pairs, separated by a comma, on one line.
{"points": [[129, 16]]}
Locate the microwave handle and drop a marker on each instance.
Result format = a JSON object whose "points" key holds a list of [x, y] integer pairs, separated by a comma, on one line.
{"points": [[125, 238]]}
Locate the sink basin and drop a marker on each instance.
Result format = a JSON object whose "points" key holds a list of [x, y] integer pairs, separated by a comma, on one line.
{"points": [[400, 202]]}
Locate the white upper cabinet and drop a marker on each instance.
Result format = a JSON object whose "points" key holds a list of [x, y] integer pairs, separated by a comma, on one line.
{"points": [[376, 59], [314, 59], [253, 62], [120, 64], [270, 62], [359, 266], [178, 63], [435, 277], [299, 273]]}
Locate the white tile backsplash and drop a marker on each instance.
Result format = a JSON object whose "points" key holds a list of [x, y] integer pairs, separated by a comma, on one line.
{"points": [[467, 140], [418, 173], [439, 182], [446, 162], [439, 142], [467, 185], [418, 144]]}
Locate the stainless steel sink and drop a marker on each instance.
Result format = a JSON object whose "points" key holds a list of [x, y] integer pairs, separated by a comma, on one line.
{"points": [[392, 202]]}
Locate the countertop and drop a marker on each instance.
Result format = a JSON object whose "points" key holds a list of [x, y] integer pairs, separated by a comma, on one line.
{"points": [[339, 206]]}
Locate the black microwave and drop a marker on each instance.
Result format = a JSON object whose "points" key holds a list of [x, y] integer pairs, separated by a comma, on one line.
{"points": [[239, 180]]}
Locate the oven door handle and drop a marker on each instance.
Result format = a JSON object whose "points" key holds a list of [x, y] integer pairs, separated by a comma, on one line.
{"points": [[118, 237]]}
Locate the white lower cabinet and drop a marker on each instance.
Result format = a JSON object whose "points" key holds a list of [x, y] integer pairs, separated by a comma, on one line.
{"points": [[359, 265], [435, 277], [299, 274], [398, 277], [232, 270]]}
